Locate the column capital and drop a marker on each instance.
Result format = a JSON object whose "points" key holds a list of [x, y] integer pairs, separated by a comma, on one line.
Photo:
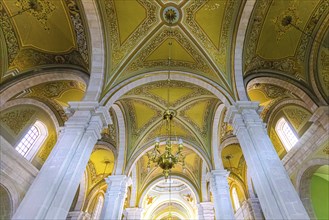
{"points": [[239, 107], [218, 180], [93, 107], [117, 184]]}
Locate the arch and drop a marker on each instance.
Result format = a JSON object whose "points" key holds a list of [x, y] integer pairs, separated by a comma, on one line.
{"points": [[239, 46], [12, 88], [303, 182], [173, 177], [33, 102], [148, 146], [14, 196], [97, 62], [313, 60], [269, 119], [6, 203], [120, 162], [227, 142], [115, 93], [217, 160], [311, 105]]}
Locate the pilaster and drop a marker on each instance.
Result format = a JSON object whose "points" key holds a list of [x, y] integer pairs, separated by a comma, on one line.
{"points": [[276, 193], [221, 194], [53, 190], [115, 196]]}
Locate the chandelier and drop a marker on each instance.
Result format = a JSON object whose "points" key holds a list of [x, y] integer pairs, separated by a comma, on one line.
{"points": [[168, 159]]}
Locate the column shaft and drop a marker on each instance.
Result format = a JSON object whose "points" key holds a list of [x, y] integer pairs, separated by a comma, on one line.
{"points": [[53, 190], [134, 213], [115, 196], [276, 193], [221, 194]]}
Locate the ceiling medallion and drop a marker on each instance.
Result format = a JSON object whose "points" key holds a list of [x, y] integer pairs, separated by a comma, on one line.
{"points": [[171, 15]]}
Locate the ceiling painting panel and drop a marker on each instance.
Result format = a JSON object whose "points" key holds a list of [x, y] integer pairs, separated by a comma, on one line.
{"points": [[323, 66], [273, 44], [30, 25], [212, 23], [125, 33], [52, 34]]}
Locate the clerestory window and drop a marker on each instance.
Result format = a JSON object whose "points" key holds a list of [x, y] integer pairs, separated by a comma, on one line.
{"points": [[32, 140], [286, 134]]}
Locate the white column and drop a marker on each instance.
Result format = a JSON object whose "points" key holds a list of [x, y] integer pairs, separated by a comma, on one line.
{"points": [[206, 211], [78, 215], [53, 190], [221, 194], [134, 213], [117, 186], [275, 191]]}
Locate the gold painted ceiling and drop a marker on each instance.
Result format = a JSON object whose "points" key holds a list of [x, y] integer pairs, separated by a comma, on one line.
{"points": [[144, 107], [52, 34], [138, 39], [273, 47]]}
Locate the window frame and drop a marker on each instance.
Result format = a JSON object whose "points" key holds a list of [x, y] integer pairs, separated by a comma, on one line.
{"points": [[37, 143], [287, 142]]}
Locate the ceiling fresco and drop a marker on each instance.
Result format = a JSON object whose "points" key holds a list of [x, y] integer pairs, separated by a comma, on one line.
{"points": [[233, 160], [138, 43], [52, 34], [144, 107], [273, 46], [55, 95]]}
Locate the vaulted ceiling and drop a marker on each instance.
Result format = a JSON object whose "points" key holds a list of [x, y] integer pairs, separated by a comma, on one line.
{"points": [[137, 43]]}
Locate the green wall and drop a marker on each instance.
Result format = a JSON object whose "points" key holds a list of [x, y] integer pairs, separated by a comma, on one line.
{"points": [[320, 192]]}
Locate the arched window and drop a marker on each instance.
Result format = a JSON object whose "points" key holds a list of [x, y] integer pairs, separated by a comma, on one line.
{"points": [[236, 201], [32, 140], [98, 208], [286, 134]]}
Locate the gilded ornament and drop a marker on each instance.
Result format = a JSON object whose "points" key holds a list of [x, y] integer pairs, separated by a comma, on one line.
{"points": [[17, 119]]}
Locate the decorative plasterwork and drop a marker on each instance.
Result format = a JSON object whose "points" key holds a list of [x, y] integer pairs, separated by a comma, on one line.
{"points": [[219, 55], [25, 58], [17, 119], [50, 93], [141, 63], [120, 51], [295, 65], [193, 107]]}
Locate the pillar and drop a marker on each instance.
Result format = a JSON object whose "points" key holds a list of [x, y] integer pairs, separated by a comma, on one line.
{"points": [[52, 192], [206, 211], [134, 213], [275, 191], [78, 215], [115, 195], [221, 194]]}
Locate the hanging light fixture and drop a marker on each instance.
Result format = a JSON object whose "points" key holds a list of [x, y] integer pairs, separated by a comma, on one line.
{"points": [[167, 159]]}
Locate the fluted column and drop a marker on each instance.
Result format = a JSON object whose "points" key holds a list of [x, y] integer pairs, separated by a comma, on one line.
{"points": [[221, 194], [53, 190], [206, 211], [134, 213], [275, 191], [117, 186]]}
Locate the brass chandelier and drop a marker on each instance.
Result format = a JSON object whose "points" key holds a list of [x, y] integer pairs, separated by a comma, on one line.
{"points": [[167, 159]]}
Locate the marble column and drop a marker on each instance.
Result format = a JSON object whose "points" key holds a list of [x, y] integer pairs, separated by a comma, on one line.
{"points": [[206, 211], [134, 213], [221, 194], [115, 195], [53, 190], [78, 215], [275, 191]]}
